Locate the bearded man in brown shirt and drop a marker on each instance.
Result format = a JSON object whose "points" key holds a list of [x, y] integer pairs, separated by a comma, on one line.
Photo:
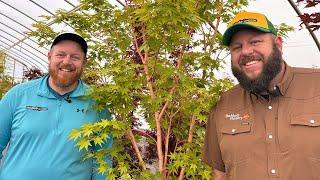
{"points": [[268, 126]]}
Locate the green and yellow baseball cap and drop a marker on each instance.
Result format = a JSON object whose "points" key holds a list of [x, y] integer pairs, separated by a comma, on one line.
{"points": [[244, 20]]}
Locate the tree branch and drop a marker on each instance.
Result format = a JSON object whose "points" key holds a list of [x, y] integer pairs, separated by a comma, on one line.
{"points": [[160, 115], [136, 149], [144, 59], [217, 24], [176, 81], [315, 39], [167, 143], [190, 136], [144, 134]]}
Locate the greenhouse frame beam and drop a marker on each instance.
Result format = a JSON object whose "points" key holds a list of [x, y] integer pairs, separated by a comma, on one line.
{"points": [[120, 3], [23, 49], [11, 28], [31, 63], [70, 3], [11, 58], [22, 42], [10, 51], [14, 56], [19, 11], [49, 24], [37, 4], [15, 21]]}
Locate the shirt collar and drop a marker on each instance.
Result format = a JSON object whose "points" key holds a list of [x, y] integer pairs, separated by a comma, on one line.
{"points": [[283, 85], [285, 82], [44, 90]]}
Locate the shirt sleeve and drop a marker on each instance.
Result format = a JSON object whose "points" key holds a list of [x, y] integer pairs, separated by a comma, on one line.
{"points": [[7, 109], [107, 145], [211, 151]]}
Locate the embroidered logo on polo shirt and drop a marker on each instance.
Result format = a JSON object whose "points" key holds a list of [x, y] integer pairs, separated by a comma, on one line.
{"points": [[36, 108], [236, 117]]}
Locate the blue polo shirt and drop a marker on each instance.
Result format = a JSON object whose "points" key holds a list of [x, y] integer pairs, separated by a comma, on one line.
{"points": [[37, 124]]}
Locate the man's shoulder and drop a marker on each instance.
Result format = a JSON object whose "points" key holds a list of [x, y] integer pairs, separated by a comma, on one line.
{"points": [[306, 75], [29, 86], [305, 71], [83, 89], [234, 93], [25, 86], [19, 91], [233, 97], [234, 90]]}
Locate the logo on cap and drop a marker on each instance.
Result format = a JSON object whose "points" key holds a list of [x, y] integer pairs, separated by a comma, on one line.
{"points": [[247, 20]]}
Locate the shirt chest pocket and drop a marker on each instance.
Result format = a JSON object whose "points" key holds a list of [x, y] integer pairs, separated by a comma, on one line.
{"points": [[236, 137], [236, 128], [305, 134], [308, 120]]}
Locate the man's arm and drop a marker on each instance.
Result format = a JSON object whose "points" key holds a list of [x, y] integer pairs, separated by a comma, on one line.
{"points": [[6, 115], [219, 175], [211, 150]]}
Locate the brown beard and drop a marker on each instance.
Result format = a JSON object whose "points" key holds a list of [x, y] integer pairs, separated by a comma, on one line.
{"points": [[64, 82], [272, 66]]}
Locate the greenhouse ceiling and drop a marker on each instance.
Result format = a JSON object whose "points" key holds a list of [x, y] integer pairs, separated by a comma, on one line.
{"points": [[22, 52]]}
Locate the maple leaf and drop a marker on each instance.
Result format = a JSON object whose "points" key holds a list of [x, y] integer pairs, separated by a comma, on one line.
{"points": [[74, 134], [98, 140], [83, 143]]}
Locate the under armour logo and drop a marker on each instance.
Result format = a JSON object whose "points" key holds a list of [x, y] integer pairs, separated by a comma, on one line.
{"points": [[80, 110]]}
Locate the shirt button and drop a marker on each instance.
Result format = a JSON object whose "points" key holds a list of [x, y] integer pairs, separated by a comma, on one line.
{"points": [[233, 130], [270, 107], [273, 171], [312, 121], [270, 136]]}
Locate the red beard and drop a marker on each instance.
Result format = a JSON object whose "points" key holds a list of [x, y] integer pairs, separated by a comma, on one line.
{"points": [[64, 79]]}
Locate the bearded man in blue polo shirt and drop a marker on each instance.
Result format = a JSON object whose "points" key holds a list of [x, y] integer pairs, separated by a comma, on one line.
{"points": [[36, 118]]}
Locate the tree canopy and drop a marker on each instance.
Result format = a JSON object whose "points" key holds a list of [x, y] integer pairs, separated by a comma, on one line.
{"points": [[154, 64]]}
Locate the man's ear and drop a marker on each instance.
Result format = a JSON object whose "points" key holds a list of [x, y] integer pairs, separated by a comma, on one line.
{"points": [[85, 61], [278, 41], [49, 56]]}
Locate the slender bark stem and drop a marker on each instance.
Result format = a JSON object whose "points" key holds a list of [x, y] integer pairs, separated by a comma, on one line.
{"points": [[135, 147], [167, 143], [159, 143], [217, 24], [144, 134], [158, 117], [144, 58], [190, 136]]}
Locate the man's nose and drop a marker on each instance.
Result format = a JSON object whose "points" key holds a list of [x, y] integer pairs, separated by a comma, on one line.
{"points": [[247, 49], [67, 59]]}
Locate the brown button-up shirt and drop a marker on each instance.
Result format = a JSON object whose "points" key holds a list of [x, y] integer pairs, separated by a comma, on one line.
{"points": [[252, 138]]}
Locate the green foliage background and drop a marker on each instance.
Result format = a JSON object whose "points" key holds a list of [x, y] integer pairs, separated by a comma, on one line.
{"points": [[5, 80]]}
